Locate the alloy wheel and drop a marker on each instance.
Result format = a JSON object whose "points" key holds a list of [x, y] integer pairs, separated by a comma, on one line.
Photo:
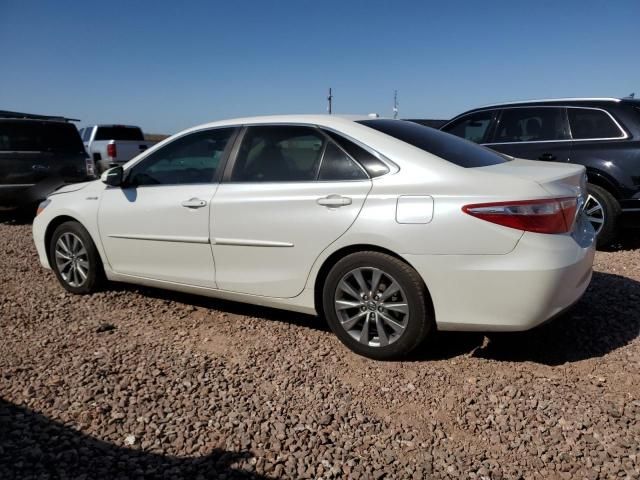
{"points": [[72, 259], [594, 212], [371, 306]]}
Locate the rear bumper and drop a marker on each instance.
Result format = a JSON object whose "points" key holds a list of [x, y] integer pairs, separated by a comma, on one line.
{"points": [[543, 276]]}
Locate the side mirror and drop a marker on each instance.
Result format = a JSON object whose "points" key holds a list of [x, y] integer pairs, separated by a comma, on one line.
{"points": [[113, 177]]}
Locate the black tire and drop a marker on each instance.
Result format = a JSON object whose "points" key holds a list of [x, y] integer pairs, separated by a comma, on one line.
{"points": [[88, 262], [610, 214], [418, 322]]}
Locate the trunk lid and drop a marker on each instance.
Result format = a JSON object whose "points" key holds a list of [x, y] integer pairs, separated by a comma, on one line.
{"points": [[559, 179]]}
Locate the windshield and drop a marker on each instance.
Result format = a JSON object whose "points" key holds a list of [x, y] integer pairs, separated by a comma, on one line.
{"points": [[119, 133], [448, 147], [38, 136]]}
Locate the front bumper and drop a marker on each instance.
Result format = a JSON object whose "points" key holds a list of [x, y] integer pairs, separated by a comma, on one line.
{"points": [[541, 277]]}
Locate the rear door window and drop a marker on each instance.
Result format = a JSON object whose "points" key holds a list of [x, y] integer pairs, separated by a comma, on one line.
{"points": [[337, 165], [531, 124], [473, 127], [279, 154], [448, 147], [589, 123]]}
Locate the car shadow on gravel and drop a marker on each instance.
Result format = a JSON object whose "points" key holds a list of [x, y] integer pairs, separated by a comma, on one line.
{"points": [[227, 306], [628, 240], [17, 217], [606, 319], [34, 446]]}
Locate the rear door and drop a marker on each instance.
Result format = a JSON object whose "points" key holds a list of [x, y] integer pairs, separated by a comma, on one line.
{"points": [[289, 194], [534, 133]]}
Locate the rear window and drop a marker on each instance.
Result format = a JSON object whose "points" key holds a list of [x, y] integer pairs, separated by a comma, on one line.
{"points": [[35, 136], [590, 123], [119, 133], [448, 147]]}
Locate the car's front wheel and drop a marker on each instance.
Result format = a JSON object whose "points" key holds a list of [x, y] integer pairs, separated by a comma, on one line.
{"points": [[377, 305], [74, 258], [602, 210]]}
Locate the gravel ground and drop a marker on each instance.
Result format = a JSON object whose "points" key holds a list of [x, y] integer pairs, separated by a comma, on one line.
{"points": [[134, 382]]}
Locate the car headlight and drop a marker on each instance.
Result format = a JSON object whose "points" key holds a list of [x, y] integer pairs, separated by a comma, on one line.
{"points": [[42, 206]]}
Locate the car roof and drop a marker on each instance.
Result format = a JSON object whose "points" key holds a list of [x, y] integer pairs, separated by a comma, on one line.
{"points": [[575, 101], [325, 120], [9, 115]]}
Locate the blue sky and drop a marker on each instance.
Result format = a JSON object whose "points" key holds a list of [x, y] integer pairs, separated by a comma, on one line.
{"points": [[170, 65]]}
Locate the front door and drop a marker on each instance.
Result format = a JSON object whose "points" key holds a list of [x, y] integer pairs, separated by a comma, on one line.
{"points": [[534, 133], [157, 225], [291, 193]]}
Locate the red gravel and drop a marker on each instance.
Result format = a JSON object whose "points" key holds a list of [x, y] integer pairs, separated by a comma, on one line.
{"points": [[135, 382]]}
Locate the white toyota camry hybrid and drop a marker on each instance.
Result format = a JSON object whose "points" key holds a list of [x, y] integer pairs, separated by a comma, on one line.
{"points": [[386, 228]]}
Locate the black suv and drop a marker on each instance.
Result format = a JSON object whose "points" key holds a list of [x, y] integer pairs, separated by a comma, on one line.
{"points": [[603, 134], [38, 153]]}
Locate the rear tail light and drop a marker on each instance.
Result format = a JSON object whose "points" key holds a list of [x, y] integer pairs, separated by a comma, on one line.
{"points": [[111, 150], [90, 167], [553, 215]]}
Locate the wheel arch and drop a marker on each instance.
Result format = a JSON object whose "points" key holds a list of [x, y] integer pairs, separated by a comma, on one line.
{"points": [[332, 259], [596, 177], [51, 227]]}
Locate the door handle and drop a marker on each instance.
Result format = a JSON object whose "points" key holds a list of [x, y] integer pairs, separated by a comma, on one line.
{"points": [[334, 201], [547, 156], [194, 203]]}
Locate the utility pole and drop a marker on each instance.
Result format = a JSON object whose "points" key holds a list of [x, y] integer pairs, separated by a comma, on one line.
{"points": [[395, 104], [330, 100]]}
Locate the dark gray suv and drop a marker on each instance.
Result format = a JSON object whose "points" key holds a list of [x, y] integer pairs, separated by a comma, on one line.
{"points": [[38, 153], [603, 134]]}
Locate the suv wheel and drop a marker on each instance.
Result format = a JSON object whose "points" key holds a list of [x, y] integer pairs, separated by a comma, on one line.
{"points": [[602, 210], [377, 305], [74, 258]]}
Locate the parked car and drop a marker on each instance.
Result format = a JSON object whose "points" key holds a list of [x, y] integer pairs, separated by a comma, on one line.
{"points": [[603, 134], [38, 153], [112, 145], [387, 228]]}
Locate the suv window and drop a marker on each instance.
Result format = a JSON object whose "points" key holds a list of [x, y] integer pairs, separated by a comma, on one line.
{"points": [[117, 132], [194, 158], [37, 136], [448, 147], [472, 127], [531, 124], [590, 123], [279, 154], [87, 134]]}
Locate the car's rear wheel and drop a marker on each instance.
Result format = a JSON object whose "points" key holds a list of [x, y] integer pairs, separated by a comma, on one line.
{"points": [[377, 305], [602, 210], [74, 258]]}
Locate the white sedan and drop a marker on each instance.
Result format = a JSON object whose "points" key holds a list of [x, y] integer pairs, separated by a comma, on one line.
{"points": [[386, 228]]}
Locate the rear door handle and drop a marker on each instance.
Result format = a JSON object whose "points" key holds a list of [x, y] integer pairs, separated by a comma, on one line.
{"points": [[547, 156], [334, 201], [194, 203]]}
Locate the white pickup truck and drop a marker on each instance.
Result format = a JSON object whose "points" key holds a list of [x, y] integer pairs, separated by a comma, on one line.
{"points": [[113, 145]]}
